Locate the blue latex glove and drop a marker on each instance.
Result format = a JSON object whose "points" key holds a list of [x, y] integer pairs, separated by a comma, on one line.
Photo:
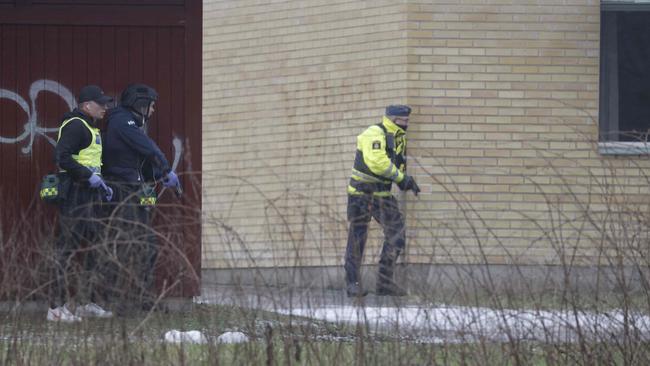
{"points": [[171, 180], [96, 181], [109, 192]]}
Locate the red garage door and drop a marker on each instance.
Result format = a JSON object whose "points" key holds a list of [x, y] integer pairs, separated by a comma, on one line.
{"points": [[49, 49]]}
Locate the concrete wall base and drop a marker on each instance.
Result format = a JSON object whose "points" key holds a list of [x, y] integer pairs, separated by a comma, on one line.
{"points": [[424, 277]]}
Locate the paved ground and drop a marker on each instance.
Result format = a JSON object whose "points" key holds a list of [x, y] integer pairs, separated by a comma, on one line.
{"points": [[274, 298]]}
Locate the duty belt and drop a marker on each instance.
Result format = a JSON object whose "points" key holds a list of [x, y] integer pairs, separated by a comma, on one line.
{"points": [[370, 187], [93, 169]]}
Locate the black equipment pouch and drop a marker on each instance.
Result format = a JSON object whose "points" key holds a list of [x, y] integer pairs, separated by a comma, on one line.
{"points": [[49, 189], [148, 195], [54, 187]]}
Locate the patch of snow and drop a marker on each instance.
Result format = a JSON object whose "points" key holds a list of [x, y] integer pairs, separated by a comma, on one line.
{"points": [[232, 337], [192, 336], [457, 323], [435, 323]]}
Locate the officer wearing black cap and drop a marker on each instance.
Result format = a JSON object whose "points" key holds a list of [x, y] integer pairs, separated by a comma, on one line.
{"points": [[380, 160], [132, 162], [79, 158]]}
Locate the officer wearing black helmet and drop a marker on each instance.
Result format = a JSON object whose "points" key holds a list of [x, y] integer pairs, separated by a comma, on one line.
{"points": [[380, 160], [126, 145], [131, 163]]}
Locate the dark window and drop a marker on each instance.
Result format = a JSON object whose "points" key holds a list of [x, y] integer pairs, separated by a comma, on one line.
{"points": [[625, 74]]}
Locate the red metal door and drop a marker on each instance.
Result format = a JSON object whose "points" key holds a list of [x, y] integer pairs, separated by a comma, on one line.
{"points": [[50, 49]]}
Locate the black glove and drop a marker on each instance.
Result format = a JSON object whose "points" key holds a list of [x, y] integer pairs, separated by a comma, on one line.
{"points": [[408, 183]]}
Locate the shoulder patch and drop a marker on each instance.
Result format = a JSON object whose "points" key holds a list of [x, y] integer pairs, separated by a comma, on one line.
{"points": [[376, 145]]}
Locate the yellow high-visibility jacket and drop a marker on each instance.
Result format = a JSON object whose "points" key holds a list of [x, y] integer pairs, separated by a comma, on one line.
{"points": [[380, 159], [90, 156]]}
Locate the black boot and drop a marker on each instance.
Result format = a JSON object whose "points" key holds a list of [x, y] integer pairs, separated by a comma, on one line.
{"points": [[386, 286], [354, 290], [390, 289]]}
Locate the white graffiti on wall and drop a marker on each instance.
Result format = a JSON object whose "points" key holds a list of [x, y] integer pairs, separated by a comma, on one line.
{"points": [[32, 127], [178, 149]]}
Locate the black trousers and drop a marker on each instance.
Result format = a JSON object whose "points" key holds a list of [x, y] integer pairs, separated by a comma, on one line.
{"points": [[79, 231], [133, 248], [385, 210]]}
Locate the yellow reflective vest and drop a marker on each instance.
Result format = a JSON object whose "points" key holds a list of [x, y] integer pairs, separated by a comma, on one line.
{"points": [[380, 159], [91, 156]]}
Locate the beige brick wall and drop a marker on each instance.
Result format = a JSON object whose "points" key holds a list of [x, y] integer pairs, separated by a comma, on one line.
{"points": [[502, 140], [287, 86]]}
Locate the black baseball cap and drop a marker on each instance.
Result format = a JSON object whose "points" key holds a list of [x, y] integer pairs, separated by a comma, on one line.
{"points": [[93, 93]]}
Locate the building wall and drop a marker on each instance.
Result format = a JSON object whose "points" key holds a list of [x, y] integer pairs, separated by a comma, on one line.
{"points": [[507, 95], [287, 86], [503, 138]]}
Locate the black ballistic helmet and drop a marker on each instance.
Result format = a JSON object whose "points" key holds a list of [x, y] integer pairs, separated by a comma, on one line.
{"points": [[138, 96]]}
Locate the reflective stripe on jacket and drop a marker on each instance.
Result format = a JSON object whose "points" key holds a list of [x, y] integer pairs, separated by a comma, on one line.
{"points": [[380, 159], [91, 156]]}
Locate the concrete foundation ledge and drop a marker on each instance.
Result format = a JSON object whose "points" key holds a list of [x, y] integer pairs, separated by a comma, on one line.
{"points": [[425, 277]]}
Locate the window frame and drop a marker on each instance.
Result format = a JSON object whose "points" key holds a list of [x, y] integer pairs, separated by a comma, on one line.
{"points": [[608, 81]]}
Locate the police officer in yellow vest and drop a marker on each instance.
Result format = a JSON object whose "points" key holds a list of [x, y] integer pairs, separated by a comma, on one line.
{"points": [[380, 160], [79, 157]]}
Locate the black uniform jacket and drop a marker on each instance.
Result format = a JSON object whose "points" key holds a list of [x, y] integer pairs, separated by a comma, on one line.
{"points": [[127, 149]]}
